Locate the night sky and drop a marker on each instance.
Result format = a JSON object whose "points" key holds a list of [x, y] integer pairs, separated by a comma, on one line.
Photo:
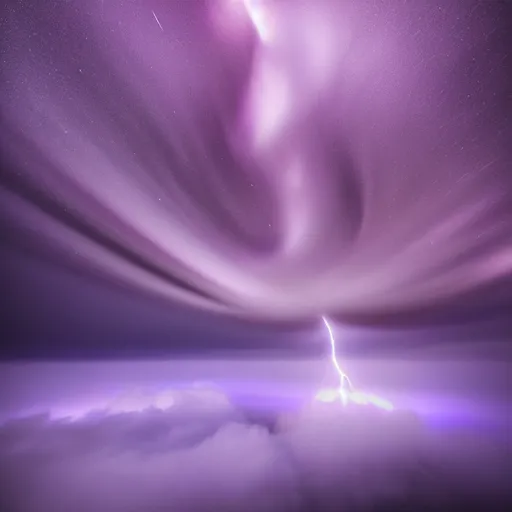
{"points": [[200, 176], [255, 255]]}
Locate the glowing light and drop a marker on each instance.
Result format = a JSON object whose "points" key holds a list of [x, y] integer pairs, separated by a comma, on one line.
{"points": [[328, 395], [343, 376], [345, 392], [259, 18]]}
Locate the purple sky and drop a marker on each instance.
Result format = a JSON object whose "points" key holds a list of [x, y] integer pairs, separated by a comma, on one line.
{"points": [[213, 176], [212, 168]]}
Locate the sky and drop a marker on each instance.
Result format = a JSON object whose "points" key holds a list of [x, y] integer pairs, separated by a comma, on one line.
{"points": [[210, 210], [204, 177]]}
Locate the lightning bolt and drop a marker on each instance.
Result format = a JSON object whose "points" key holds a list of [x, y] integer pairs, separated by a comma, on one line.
{"points": [[344, 380], [345, 392]]}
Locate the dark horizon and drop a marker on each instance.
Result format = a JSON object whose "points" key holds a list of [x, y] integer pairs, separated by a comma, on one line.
{"points": [[167, 334]]}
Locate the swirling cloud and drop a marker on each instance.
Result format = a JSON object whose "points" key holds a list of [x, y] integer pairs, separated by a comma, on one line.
{"points": [[273, 160]]}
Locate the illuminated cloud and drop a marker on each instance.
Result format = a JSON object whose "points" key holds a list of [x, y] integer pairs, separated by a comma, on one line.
{"points": [[149, 459]]}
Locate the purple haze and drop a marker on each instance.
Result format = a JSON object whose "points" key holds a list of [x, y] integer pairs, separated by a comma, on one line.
{"points": [[244, 156], [144, 436], [270, 160]]}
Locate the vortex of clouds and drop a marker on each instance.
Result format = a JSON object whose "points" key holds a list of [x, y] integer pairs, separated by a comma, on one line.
{"points": [[272, 159]]}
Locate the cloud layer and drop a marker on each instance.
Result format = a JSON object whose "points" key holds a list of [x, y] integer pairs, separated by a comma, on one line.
{"points": [[200, 453]]}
